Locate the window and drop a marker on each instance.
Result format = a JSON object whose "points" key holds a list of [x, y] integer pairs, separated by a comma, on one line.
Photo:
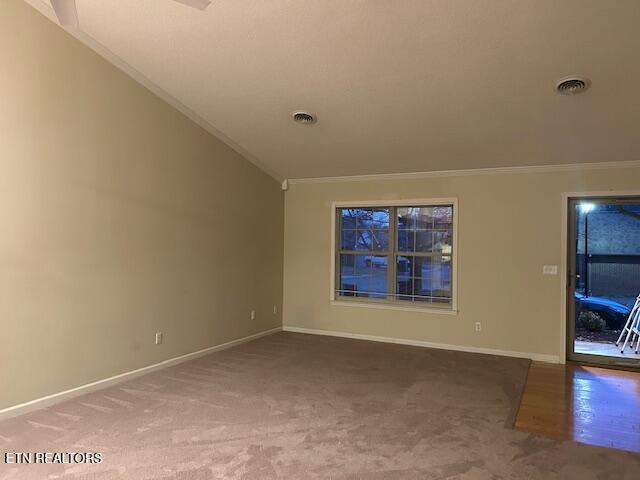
{"points": [[397, 254]]}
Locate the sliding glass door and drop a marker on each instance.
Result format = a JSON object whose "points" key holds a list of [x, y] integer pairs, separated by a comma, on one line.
{"points": [[604, 281]]}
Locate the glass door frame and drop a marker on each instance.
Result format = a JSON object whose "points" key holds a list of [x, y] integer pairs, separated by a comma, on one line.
{"points": [[571, 269]]}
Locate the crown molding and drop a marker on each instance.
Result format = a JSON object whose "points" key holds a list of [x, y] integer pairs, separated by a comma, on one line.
{"points": [[104, 52], [468, 172]]}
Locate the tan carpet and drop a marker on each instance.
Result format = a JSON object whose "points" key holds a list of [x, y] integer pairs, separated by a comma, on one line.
{"points": [[295, 406]]}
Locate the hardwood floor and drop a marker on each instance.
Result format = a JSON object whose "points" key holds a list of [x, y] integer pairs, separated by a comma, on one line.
{"points": [[593, 405]]}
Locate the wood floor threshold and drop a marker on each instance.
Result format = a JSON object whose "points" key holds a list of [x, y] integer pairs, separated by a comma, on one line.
{"points": [[590, 404]]}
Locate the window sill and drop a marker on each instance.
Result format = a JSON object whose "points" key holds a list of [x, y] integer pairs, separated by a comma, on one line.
{"points": [[392, 306]]}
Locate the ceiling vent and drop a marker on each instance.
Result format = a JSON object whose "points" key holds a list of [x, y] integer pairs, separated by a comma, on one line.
{"points": [[572, 85], [304, 118]]}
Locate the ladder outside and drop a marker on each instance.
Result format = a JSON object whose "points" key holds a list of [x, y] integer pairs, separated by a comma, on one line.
{"points": [[631, 328]]}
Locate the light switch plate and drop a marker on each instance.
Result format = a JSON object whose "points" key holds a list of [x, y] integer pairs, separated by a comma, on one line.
{"points": [[550, 270]]}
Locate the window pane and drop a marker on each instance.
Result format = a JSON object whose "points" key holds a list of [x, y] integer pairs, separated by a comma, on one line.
{"points": [[406, 240], [441, 277], [424, 218], [365, 229], [406, 219], [425, 229], [374, 218], [421, 267], [363, 275], [347, 273], [417, 218], [376, 274], [404, 266], [424, 278], [365, 218], [442, 242], [424, 241], [348, 241], [422, 289], [442, 217], [380, 240], [348, 218], [404, 277], [363, 239]]}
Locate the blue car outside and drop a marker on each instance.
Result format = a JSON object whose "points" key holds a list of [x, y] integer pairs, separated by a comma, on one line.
{"points": [[613, 313]]}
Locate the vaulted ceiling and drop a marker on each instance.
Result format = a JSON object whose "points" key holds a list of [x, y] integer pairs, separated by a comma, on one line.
{"points": [[398, 86]]}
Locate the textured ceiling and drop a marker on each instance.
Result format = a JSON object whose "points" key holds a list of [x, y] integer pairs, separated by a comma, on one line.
{"points": [[397, 86]]}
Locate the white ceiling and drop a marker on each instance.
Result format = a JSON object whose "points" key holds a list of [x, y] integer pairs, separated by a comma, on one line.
{"points": [[398, 86]]}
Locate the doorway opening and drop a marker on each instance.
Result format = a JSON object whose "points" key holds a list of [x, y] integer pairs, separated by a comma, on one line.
{"points": [[603, 304]]}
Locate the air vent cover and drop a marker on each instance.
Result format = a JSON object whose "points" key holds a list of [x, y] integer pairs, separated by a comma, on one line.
{"points": [[572, 85], [304, 118]]}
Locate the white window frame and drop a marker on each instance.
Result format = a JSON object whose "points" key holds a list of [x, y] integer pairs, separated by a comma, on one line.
{"points": [[451, 309]]}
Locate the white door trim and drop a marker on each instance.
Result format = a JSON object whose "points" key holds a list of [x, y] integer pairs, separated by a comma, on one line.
{"points": [[563, 253]]}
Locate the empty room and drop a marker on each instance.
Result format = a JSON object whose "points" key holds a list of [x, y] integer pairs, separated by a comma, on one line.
{"points": [[319, 239]]}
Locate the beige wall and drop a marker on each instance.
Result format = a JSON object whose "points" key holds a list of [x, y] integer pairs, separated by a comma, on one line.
{"points": [[509, 227], [118, 218]]}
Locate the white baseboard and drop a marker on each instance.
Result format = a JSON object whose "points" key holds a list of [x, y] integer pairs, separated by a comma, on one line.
{"points": [[418, 343], [49, 400]]}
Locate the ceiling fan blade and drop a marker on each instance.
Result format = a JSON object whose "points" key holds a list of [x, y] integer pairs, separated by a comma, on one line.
{"points": [[199, 4], [66, 12]]}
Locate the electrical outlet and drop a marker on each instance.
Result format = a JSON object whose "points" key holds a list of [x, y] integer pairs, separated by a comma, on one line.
{"points": [[253, 314], [158, 338], [275, 309], [478, 327]]}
